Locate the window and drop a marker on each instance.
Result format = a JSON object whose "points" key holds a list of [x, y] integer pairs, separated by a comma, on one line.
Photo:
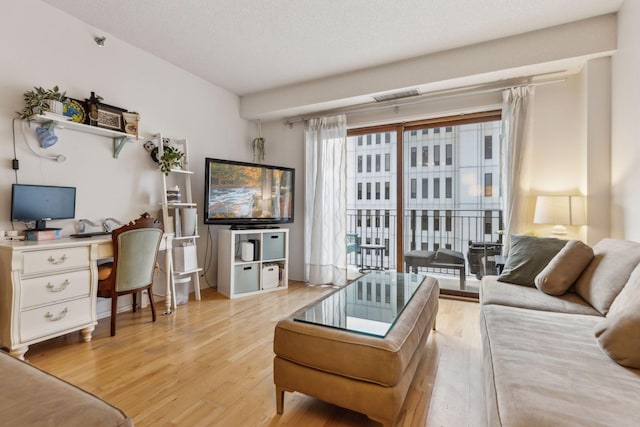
{"points": [[425, 188], [436, 220], [387, 162], [414, 132], [448, 184], [378, 138], [369, 163], [436, 155], [359, 164], [488, 184], [414, 190], [425, 131], [447, 220], [387, 138], [368, 221], [488, 228], [448, 154], [424, 246], [387, 190], [448, 129], [386, 252], [488, 147], [368, 139], [425, 220], [377, 191], [359, 191], [425, 156], [386, 223], [436, 188], [377, 162], [368, 191], [413, 227], [359, 217], [360, 140], [436, 130], [414, 157]]}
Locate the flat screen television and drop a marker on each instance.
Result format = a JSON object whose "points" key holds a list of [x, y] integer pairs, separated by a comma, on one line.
{"points": [[247, 194], [42, 203]]}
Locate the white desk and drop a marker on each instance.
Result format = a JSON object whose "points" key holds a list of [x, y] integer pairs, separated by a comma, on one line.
{"points": [[49, 288]]}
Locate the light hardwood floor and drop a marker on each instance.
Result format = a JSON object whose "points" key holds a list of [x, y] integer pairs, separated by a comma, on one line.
{"points": [[210, 364]]}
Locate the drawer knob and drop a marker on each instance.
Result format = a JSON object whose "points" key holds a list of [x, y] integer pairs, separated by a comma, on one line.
{"points": [[60, 260], [50, 317], [62, 287]]}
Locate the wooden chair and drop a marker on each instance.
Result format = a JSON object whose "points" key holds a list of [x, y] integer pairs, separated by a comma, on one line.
{"points": [[135, 251]]}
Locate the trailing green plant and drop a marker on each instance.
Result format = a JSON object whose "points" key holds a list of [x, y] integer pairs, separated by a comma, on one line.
{"points": [[36, 100], [172, 158]]}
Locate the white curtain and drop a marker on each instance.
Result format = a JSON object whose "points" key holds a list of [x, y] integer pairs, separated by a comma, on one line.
{"points": [[325, 214], [517, 124]]}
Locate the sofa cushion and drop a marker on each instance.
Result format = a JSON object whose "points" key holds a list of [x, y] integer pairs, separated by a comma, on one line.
{"points": [[564, 268], [494, 292], [528, 256], [619, 333], [607, 273], [545, 369]]}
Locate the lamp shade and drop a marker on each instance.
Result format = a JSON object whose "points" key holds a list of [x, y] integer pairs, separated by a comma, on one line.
{"points": [[552, 210], [578, 210]]}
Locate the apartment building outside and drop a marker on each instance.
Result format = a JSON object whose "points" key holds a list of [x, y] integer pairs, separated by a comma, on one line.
{"points": [[451, 188]]}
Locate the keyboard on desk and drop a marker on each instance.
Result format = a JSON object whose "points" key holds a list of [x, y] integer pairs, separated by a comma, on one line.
{"points": [[96, 233]]}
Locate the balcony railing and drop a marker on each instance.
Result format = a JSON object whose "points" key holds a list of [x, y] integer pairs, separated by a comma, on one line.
{"points": [[428, 229]]}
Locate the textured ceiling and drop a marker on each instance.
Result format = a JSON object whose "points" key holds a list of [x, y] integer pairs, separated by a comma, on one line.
{"points": [[247, 46]]}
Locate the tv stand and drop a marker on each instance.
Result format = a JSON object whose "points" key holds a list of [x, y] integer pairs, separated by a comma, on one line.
{"points": [[262, 270]]}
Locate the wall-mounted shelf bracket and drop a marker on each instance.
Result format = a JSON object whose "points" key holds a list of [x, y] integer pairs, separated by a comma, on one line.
{"points": [[118, 143]]}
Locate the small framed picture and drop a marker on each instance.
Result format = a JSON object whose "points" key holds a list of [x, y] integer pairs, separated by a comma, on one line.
{"points": [[109, 117]]}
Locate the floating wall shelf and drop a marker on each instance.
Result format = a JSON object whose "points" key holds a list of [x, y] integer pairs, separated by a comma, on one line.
{"points": [[119, 138]]}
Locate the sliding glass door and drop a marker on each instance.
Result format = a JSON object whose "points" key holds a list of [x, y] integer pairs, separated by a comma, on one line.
{"points": [[428, 185]]}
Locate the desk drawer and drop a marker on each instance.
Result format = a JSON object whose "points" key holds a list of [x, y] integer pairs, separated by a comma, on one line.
{"points": [[55, 259], [54, 318], [54, 288]]}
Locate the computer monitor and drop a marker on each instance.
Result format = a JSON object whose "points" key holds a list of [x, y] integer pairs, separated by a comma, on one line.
{"points": [[42, 203]]}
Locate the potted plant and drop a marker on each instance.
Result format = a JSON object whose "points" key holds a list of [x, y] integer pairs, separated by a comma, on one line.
{"points": [[40, 100], [171, 158]]}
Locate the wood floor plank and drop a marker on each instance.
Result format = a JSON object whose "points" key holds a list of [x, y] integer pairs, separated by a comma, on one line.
{"points": [[210, 364]]}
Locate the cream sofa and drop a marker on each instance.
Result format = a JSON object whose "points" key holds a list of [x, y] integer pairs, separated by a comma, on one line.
{"points": [[570, 359], [31, 397]]}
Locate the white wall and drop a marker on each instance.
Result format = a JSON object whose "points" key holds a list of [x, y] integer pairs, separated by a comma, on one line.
{"points": [[41, 46], [625, 147]]}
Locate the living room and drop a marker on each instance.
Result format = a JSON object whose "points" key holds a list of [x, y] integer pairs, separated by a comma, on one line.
{"points": [[585, 124]]}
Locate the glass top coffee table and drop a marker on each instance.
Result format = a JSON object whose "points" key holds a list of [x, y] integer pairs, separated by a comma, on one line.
{"points": [[370, 305]]}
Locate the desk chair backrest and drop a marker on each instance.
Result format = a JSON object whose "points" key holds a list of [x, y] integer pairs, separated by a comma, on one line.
{"points": [[135, 251]]}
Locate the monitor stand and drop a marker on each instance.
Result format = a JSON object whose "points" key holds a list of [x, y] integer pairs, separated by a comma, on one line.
{"points": [[41, 225]]}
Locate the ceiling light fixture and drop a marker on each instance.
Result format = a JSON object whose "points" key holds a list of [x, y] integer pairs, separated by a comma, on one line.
{"points": [[99, 40]]}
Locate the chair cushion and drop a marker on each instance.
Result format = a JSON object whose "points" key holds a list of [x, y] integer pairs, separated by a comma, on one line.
{"points": [[607, 273], [528, 256], [564, 268]]}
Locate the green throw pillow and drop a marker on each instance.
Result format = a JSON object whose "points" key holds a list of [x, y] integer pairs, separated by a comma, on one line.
{"points": [[528, 256]]}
